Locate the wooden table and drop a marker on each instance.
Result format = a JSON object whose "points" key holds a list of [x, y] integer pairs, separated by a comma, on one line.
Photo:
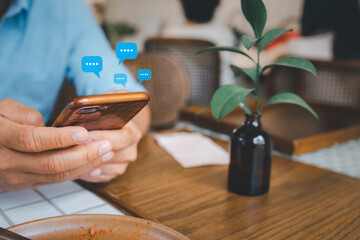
{"points": [[304, 202]]}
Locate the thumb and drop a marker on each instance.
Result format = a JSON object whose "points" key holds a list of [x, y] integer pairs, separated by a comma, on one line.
{"points": [[20, 113]]}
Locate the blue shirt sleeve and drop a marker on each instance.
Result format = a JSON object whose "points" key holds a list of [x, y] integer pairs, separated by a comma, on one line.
{"points": [[86, 38]]}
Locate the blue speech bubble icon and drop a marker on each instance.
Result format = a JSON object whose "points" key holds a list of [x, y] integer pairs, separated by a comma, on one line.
{"points": [[120, 78], [92, 64], [126, 51], [144, 74]]}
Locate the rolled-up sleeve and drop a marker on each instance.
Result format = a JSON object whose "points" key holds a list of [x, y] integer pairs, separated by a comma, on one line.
{"points": [[86, 38]]}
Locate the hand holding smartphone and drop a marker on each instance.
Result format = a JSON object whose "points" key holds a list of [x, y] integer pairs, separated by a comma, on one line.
{"points": [[102, 112]]}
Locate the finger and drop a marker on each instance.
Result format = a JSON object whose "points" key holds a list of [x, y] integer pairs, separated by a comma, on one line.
{"points": [[126, 155], [38, 139], [98, 179], [105, 172], [20, 113], [14, 180], [59, 161], [120, 139], [70, 174], [113, 169]]}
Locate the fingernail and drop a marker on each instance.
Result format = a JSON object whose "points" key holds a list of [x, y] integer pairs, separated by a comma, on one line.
{"points": [[107, 157], [81, 137], [105, 147], [95, 172]]}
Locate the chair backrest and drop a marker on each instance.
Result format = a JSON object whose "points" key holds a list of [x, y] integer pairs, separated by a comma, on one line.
{"points": [[336, 83], [168, 87], [204, 69]]}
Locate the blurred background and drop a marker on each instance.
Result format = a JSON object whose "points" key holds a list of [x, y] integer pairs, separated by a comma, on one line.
{"points": [[169, 33], [136, 20]]}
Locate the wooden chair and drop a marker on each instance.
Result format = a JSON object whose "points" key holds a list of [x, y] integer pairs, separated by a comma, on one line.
{"points": [[168, 88], [337, 83], [204, 69]]}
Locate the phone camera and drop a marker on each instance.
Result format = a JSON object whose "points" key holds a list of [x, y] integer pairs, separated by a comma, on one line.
{"points": [[88, 110]]}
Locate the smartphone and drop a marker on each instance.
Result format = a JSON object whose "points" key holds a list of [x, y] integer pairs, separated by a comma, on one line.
{"points": [[102, 112]]}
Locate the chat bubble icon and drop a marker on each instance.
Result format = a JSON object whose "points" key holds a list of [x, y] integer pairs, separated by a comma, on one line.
{"points": [[92, 64], [126, 51], [144, 74], [120, 78]]}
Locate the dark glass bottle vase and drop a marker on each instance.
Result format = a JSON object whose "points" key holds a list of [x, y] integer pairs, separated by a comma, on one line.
{"points": [[250, 160]]}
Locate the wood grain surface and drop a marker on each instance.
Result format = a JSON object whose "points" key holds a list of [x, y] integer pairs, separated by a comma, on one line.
{"points": [[293, 129], [304, 202]]}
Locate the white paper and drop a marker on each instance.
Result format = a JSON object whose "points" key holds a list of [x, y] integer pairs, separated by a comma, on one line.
{"points": [[192, 149]]}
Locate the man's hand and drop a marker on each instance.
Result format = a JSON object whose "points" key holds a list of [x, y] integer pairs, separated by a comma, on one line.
{"points": [[32, 154], [124, 143]]}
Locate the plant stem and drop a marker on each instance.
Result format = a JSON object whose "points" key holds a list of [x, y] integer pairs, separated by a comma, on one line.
{"points": [[257, 85]]}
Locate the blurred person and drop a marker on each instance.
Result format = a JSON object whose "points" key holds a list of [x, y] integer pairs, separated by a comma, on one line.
{"points": [[342, 18], [199, 24], [42, 43]]}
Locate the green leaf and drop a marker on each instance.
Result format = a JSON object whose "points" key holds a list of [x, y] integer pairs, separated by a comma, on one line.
{"points": [[224, 48], [227, 98], [248, 41], [270, 36], [290, 98], [295, 62], [250, 72], [255, 13], [245, 107]]}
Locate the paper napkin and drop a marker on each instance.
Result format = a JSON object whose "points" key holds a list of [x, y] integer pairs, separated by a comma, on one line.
{"points": [[192, 149]]}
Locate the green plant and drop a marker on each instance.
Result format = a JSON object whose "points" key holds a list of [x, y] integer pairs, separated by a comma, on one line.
{"points": [[120, 30], [228, 97]]}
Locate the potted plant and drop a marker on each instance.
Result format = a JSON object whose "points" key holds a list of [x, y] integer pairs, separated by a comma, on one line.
{"points": [[251, 146]]}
